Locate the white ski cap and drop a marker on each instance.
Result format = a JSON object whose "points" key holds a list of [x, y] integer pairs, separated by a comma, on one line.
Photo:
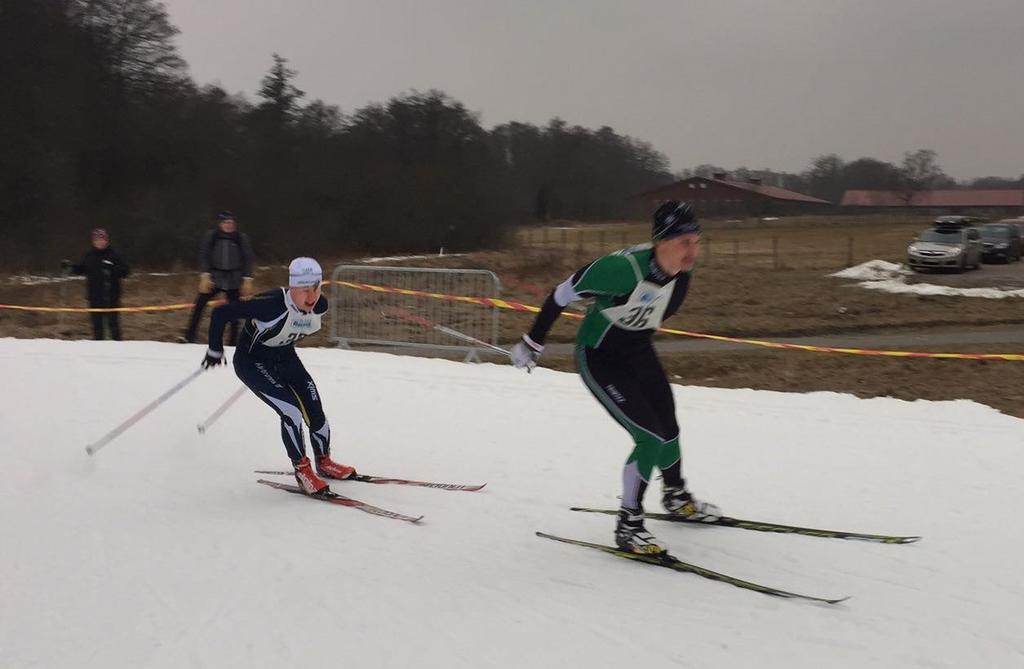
{"points": [[304, 272]]}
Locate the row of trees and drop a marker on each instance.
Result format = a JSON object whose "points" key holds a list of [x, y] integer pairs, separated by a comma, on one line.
{"points": [[102, 126], [829, 176]]}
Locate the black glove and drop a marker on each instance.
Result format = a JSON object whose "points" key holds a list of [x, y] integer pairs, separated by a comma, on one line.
{"points": [[212, 359]]}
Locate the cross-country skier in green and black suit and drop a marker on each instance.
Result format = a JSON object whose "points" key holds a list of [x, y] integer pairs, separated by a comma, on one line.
{"points": [[634, 290]]}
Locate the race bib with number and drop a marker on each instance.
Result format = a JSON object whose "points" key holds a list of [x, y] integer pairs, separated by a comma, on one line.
{"points": [[644, 309]]}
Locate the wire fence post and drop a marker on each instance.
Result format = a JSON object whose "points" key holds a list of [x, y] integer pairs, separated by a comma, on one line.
{"points": [[373, 290], [63, 303]]}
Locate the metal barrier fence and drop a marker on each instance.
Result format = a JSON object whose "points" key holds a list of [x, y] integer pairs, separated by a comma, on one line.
{"points": [[360, 316]]}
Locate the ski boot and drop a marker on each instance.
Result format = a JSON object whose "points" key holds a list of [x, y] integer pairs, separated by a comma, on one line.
{"points": [[329, 469], [632, 537], [310, 483], [679, 502]]}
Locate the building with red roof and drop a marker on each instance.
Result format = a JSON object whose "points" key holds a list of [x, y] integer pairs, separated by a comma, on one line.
{"points": [[996, 202], [721, 196]]}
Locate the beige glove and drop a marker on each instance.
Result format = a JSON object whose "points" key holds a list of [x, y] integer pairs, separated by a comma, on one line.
{"points": [[246, 288], [205, 283]]}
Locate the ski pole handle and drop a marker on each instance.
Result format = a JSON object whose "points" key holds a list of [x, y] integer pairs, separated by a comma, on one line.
{"points": [[110, 436]]}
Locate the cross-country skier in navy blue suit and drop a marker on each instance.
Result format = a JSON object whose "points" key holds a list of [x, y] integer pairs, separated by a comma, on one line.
{"points": [[266, 362]]}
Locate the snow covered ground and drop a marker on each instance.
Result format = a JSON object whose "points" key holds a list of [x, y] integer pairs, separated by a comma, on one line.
{"points": [[161, 551]]}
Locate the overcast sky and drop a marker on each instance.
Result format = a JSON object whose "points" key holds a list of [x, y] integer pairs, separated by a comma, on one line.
{"points": [[755, 83]]}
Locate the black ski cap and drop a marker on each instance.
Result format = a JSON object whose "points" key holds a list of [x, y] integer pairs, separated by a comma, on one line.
{"points": [[674, 218]]}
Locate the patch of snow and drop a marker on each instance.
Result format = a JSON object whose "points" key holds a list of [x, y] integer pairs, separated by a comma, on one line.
{"points": [[891, 278], [901, 287], [872, 270], [389, 258], [40, 280]]}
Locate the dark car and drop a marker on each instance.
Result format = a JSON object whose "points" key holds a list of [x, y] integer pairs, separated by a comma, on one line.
{"points": [[1002, 242], [958, 221], [1016, 222]]}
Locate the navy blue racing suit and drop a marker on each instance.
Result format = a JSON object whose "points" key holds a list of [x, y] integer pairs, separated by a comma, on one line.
{"points": [[266, 362]]}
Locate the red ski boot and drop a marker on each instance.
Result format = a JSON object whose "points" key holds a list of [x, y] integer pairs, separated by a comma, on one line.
{"points": [[310, 483], [330, 469]]}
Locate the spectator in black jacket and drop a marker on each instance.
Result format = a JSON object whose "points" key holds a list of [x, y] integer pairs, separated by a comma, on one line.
{"points": [[103, 269], [225, 266]]}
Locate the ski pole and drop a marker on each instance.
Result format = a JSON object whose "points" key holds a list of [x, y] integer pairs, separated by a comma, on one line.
{"points": [[110, 436], [430, 325], [220, 410]]}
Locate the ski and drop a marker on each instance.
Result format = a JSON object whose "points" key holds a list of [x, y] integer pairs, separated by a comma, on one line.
{"points": [[335, 498], [365, 478], [759, 526], [674, 563]]}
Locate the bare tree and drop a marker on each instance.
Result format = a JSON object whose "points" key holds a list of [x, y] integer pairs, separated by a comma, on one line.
{"points": [[997, 183], [137, 36], [871, 174], [825, 178], [921, 172]]}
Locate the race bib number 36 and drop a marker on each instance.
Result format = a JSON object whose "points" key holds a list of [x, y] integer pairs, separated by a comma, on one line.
{"points": [[644, 309]]}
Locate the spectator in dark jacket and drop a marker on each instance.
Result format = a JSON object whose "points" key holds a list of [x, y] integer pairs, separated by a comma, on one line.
{"points": [[103, 269], [225, 266]]}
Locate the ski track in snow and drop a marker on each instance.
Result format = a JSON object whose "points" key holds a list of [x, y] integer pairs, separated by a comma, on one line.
{"points": [[161, 551]]}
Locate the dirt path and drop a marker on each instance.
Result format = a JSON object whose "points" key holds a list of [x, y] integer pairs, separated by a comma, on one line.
{"points": [[797, 304]]}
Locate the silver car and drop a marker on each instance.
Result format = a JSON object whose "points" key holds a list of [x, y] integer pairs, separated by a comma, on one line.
{"points": [[946, 247]]}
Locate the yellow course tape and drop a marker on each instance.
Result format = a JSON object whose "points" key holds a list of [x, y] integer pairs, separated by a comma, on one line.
{"points": [[516, 306], [103, 310]]}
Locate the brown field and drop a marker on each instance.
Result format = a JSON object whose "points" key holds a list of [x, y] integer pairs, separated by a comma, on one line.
{"points": [[791, 243], [759, 279]]}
